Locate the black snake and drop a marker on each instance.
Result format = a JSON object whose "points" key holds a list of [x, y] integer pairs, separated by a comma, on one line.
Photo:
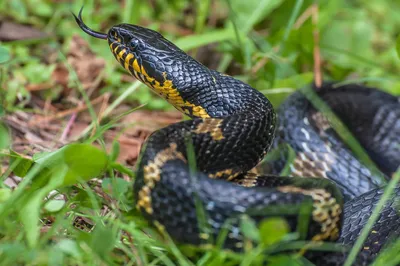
{"points": [[184, 168]]}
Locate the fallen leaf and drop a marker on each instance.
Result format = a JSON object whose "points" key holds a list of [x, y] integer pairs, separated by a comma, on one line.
{"points": [[10, 31]]}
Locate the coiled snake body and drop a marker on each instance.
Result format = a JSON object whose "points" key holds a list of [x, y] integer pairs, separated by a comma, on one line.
{"points": [[181, 184]]}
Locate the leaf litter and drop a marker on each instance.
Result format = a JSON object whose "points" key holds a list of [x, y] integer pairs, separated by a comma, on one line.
{"points": [[53, 123]]}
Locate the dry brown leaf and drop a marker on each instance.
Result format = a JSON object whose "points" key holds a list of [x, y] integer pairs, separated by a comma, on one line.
{"points": [[10, 31], [84, 61]]}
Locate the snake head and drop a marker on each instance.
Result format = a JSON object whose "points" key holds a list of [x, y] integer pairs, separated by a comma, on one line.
{"points": [[145, 53]]}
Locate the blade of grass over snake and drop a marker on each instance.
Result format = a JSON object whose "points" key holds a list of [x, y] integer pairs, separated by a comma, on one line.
{"points": [[282, 150], [374, 216], [389, 256], [343, 132], [152, 247], [200, 211], [176, 252]]}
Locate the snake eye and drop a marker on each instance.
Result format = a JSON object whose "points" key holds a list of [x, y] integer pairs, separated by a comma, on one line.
{"points": [[134, 43]]}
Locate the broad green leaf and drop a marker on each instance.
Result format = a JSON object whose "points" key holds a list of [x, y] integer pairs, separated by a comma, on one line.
{"points": [[83, 162], [54, 205], [249, 228], [29, 213], [54, 257], [4, 54], [40, 155], [69, 247], [272, 230], [12, 250], [23, 165], [115, 186], [102, 240]]}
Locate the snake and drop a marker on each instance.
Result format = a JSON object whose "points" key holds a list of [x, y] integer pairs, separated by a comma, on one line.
{"points": [[195, 179]]}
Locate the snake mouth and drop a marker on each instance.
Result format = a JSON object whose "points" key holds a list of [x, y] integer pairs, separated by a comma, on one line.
{"points": [[86, 29]]}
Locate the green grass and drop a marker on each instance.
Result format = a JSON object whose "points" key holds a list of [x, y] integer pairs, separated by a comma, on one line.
{"points": [[268, 44]]}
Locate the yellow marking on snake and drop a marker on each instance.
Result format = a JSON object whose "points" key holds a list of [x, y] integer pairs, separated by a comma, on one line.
{"points": [[326, 211], [127, 59], [152, 174], [249, 180], [136, 66], [222, 173], [121, 54], [115, 49], [166, 90], [211, 126]]}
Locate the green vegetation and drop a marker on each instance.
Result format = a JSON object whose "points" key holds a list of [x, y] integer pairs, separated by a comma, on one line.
{"points": [[270, 44]]}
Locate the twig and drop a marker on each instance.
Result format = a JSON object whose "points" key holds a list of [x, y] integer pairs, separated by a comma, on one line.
{"points": [[68, 127], [306, 14], [261, 63], [38, 87], [104, 105], [317, 52]]}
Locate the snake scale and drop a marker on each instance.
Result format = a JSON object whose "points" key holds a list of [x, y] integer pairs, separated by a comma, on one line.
{"points": [[193, 178]]}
